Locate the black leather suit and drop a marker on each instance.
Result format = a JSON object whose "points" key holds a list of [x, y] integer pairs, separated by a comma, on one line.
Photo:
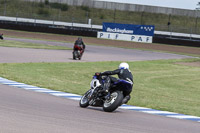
{"points": [[123, 74]]}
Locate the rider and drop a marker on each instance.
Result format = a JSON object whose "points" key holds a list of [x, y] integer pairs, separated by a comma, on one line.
{"points": [[79, 44], [1, 36], [123, 73]]}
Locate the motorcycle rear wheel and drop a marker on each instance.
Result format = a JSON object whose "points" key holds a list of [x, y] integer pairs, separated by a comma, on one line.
{"points": [[113, 102]]}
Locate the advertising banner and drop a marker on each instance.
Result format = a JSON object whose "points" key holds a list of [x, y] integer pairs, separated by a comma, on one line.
{"points": [[125, 37], [146, 30]]}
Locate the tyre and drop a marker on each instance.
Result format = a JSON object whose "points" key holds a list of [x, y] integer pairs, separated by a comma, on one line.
{"points": [[75, 55], [113, 102], [84, 102]]}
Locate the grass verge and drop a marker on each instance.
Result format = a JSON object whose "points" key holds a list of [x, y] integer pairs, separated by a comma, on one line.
{"points": [[161, 84], [18, 44]]}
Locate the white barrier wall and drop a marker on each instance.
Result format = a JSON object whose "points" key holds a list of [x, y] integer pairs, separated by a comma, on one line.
{"points": [[125, 37]]}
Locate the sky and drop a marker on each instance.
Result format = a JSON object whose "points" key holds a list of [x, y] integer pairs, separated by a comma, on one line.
{"points": [[183, 4]]}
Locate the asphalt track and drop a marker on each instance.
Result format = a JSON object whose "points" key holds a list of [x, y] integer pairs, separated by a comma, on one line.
{"points": [[92, 53], [23, 111]]}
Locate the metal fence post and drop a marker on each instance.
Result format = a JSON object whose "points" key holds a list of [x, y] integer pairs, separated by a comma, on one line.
{"points": [[34, 20], [142, 18], [86, 14], [169, 21], [196, 25], [16, 17], [5, 6], [190, 33], [114, 16], [72, 21], [170, 31]]}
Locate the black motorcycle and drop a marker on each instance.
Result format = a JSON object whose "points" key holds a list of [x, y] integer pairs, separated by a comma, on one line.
{"points": [[110, 100]]}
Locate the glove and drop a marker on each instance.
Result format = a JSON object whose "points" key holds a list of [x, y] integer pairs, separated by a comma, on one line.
{"points": [[97, 74]]}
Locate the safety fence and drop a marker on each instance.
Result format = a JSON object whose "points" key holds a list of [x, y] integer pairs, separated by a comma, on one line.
{"points": [[59, 11]]}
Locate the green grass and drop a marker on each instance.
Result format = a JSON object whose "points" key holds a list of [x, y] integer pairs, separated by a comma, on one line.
{"points": [[160, 84], [19, 44]]}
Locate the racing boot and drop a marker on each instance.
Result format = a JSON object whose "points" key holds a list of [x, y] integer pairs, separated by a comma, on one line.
{"points": [[126, 99]]}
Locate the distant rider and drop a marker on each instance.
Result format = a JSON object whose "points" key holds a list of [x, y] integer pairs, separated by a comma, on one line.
{"points": [[123, 73], [79, 45], [1, 36]]}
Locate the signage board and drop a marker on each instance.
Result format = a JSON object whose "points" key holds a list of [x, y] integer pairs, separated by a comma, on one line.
{"points": [[146, 30], [125, 37]]}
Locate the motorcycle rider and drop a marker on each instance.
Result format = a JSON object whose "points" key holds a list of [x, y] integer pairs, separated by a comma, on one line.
{"points": [[123, 73], [79, 44], [1, 36]]}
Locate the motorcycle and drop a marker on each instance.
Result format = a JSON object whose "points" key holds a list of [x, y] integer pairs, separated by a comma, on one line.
{"points": [[78, 52], [111, 100]]}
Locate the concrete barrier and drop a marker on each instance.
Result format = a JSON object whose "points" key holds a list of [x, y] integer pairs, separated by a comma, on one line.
{"points": [[82, 31]]}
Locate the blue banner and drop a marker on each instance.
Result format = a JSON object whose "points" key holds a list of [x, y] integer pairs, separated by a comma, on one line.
{"points": [[147, 30]]}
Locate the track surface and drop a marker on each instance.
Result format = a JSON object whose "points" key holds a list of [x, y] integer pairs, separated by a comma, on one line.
{"points": [[92, 53], [89, 40], [24, 111]]}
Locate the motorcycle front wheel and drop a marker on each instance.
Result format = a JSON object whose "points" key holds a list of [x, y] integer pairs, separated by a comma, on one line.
{"points": [[113, 102], [75, 54], [84, 102]]}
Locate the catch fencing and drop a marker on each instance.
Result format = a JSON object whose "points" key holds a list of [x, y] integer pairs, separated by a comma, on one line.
{"points": [[164, 19], [126, 7]]}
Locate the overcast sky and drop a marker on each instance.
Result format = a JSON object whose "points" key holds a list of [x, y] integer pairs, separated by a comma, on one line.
{"points": [[183, 4]]}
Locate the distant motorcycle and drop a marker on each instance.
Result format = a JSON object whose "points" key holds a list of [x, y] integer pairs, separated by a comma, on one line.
{"points": [[78, 52], [109, 101]]}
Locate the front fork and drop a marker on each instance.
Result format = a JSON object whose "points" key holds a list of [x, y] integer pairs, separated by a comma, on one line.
{"points": [[108, 96], [91, 96]]}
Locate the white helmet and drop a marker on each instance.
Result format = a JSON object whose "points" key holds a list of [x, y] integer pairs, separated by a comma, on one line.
{"points": [[123, 65]]}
